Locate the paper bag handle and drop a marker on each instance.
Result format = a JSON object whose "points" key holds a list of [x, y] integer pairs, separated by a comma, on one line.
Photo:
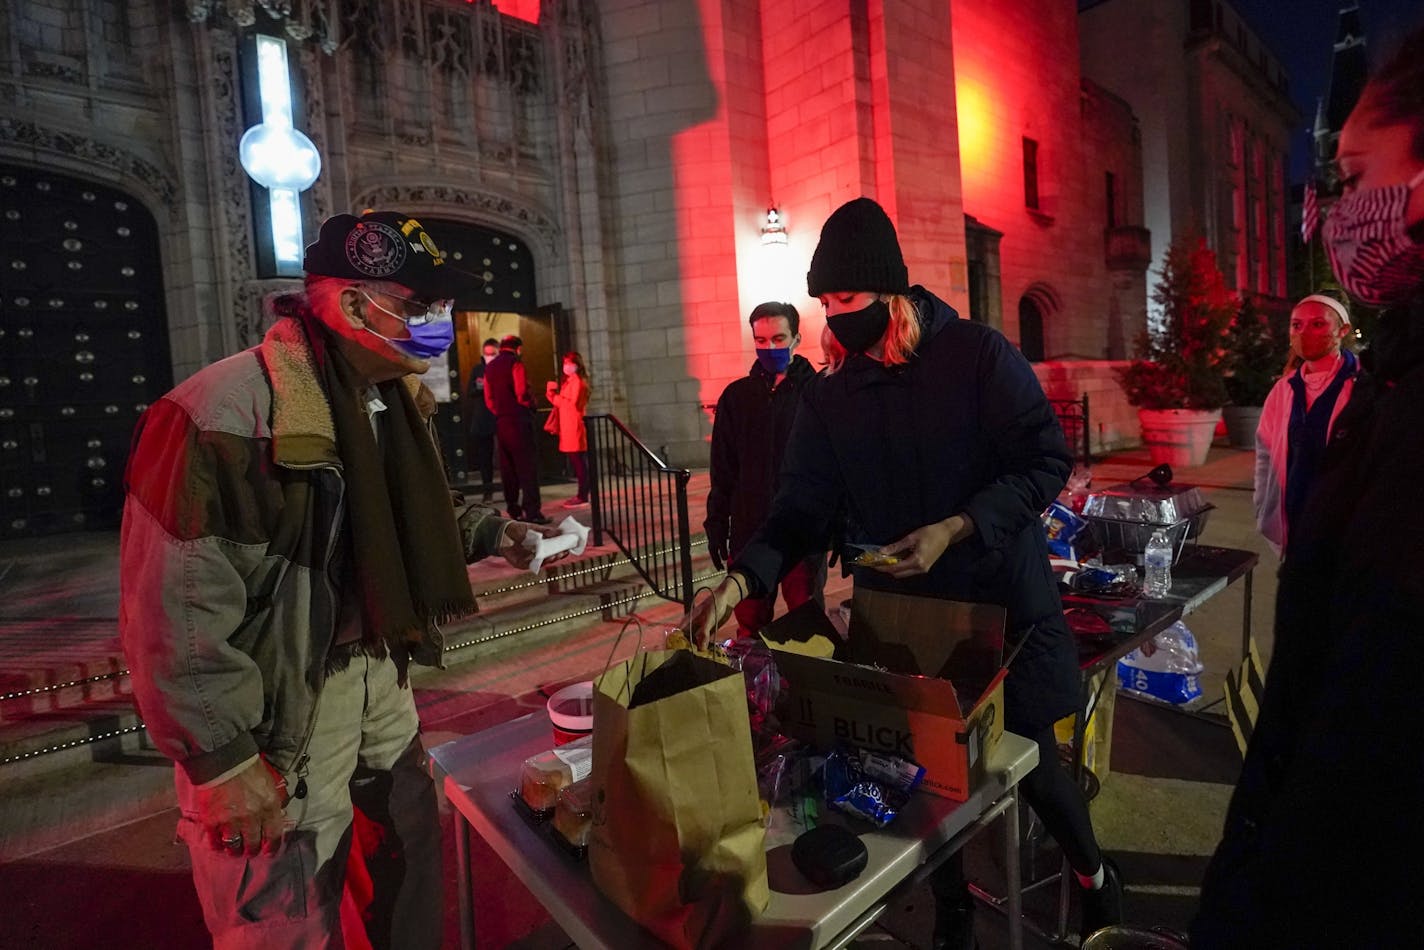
{"points": [[632, 618]]}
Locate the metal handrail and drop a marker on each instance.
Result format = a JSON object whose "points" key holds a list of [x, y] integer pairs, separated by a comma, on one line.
{"points": [[641, 503], [1073, 416]]}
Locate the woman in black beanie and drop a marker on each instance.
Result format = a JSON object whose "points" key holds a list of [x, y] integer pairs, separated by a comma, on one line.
{"points": [[935, 436]]}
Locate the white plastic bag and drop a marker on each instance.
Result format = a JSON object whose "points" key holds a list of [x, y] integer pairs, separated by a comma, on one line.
{"points": [[1165, 668]]}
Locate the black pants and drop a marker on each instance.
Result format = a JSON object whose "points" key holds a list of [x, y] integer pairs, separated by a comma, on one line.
{"points": [[518, 470], [482, 456], [1059, 804], [406, 910], [579, 460]]}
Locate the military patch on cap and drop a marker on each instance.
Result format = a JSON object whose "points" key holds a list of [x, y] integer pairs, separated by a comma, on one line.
{"points": [[375, 249], [429, 244]]}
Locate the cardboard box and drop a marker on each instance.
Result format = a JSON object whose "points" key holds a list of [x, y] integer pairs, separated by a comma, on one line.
{"points": [[906, 708]]}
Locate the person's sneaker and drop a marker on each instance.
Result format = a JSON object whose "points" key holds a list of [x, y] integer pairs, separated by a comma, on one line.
{"points": [[575, 502], [487, 496], [538, 519], [1103, 907]]}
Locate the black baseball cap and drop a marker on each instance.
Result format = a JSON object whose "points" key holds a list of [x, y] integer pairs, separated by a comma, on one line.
{"points": [[386, 245]]}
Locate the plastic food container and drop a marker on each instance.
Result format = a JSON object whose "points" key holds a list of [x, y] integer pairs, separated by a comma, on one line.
{"points": [[573, 814], [571, 712], [543, 775]]}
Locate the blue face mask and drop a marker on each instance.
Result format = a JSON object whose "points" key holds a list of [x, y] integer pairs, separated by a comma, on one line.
{"points": [[774, 359], [431, 333]]}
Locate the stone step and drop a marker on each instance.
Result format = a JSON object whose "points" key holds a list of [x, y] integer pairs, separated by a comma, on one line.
{"points": [[496, 671], [603, 586]]}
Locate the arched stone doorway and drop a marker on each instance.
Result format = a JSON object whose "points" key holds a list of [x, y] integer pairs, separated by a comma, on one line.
{"points": [[1031, 329], [1037, 308], [83, 347]]}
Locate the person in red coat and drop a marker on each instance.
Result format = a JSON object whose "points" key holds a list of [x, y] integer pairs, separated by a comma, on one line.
{"points": [[570, 399]]}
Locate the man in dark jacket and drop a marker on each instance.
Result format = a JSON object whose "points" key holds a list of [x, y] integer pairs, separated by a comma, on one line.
{"points": [[749, 435], [481, 421], [507, 396]]}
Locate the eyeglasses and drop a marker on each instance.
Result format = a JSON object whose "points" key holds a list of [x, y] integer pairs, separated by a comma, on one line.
{"points": [[418, 312]]}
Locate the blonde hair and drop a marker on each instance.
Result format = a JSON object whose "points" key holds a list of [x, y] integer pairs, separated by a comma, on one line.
{"points": [[900, 339]]}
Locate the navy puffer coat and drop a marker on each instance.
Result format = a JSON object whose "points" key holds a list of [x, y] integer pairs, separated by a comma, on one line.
{"points": [[963, 427]]}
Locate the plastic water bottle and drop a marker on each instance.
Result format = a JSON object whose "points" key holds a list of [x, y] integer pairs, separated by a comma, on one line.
{"points": [[1157, 565]]}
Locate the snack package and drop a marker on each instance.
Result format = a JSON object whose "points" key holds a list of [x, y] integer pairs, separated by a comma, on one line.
{"points": [[871, 556], [573, 813], [1062, 525], [543, 775], [848, 789]]}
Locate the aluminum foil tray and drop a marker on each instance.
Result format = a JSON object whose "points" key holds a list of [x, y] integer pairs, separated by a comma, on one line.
{"points": [[1115, 535], [1145, 504]]}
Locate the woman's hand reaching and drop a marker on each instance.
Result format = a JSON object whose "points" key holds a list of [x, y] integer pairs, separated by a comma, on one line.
{"points": [[920, 549], [711, 611]]}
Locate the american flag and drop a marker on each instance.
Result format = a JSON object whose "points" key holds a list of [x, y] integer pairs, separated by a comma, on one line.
{"points": [[1310, 214]]}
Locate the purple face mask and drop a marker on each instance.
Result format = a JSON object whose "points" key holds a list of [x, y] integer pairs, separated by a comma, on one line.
{"points": [[431, 333]]}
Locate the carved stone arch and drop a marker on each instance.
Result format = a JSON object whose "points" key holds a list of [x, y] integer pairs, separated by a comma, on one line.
{"points": [[29, 143], [517, 216], [1038, 306]]}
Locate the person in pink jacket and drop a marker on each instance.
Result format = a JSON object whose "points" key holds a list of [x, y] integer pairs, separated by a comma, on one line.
{"points": [[1300, 413], [570, 399]]}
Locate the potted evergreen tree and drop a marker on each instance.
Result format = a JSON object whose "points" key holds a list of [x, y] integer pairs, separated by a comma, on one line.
{"points": [[1258, 346], [1177, 382]]}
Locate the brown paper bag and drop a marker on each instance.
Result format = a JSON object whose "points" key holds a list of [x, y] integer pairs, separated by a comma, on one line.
{"points": [[677, 836]]}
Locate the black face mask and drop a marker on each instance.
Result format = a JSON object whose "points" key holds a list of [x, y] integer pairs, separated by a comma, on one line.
{"points": [[859, 330]]}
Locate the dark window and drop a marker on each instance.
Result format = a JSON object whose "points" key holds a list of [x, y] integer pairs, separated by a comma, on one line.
{"points": [[1110, 190], [1030, 330], [1030, 150], [1201, 13], [978, 292]]}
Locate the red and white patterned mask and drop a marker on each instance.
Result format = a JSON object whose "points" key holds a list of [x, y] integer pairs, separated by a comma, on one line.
{"points": [[1369, 245]]}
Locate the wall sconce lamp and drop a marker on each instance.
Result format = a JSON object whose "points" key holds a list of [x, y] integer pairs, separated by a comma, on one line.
{"points": [[773, 227], [278, 157]]}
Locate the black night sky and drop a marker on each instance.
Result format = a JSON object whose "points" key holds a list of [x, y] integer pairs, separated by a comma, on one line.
{"points": [[1301, 33]]}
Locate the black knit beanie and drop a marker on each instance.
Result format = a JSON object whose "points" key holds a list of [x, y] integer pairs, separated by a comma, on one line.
{"points": [[858, 251]]}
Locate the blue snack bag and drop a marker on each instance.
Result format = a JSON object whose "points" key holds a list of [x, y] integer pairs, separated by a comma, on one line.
{"points": [[1062, 525]]}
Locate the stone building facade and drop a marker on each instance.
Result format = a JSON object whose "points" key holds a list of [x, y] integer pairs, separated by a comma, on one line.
{"points": [[607, 165], [1216, 123]]}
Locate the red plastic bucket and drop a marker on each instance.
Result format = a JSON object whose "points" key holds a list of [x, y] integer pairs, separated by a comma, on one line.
{"points": [[571, 712]]}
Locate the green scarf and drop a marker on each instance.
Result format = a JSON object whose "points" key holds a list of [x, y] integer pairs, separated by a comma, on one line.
{"points": [[407, 558]]}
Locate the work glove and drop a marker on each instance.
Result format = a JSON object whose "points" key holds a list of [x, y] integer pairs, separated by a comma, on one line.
{"points": [[712, 610], [717, 542]]}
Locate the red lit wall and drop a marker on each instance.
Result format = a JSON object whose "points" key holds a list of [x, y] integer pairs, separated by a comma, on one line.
{"points": [[526, 10], [1017, 76], [717, 108]]}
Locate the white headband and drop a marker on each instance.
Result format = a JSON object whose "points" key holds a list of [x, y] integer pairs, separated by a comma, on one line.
{"points": [[1330, 302]]}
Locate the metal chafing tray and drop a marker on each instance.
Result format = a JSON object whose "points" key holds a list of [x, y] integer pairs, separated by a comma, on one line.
{"points": [[1123, 517]]}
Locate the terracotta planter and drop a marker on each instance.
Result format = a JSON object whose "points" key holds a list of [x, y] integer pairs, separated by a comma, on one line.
{"points": [[1241, 422], [1179, 437]]}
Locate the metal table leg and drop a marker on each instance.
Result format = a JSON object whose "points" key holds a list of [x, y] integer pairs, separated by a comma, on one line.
{"points": [[463, 886], [1011, 868], [1246, 615]]}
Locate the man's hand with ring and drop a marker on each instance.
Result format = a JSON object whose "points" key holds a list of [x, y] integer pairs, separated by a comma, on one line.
{"points": [[242, 815]]}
